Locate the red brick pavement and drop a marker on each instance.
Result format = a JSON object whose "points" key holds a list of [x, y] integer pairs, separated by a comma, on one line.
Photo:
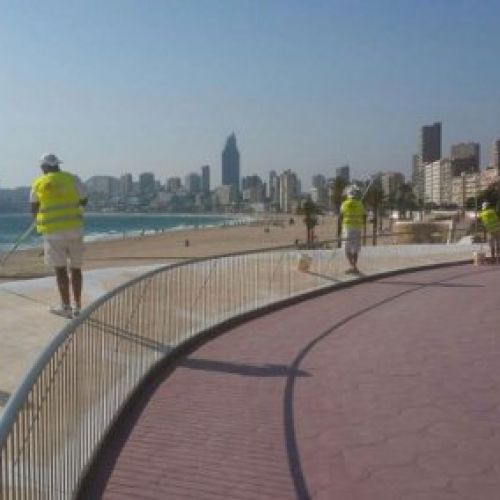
{"points": [[387, 390]]}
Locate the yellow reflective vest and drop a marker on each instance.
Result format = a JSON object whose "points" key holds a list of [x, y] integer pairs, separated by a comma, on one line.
{"points": [[353, 212], [59, 203], [489, 218]]}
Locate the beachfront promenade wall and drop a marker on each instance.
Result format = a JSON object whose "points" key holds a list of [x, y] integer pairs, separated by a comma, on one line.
{"points": [[55, 422]]}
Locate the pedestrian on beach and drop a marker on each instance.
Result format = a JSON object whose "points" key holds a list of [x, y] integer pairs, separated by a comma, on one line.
{"points": [[57, 198], [352, 215], [489, 219]]}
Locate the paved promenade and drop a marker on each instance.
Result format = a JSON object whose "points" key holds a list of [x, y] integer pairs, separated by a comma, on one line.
{"points": [[27, 327], [386, 390]]}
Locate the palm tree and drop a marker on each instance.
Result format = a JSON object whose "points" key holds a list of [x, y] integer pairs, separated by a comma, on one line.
{"points": [[405, 198], [374, 196], [310, 211], [337, 187]]}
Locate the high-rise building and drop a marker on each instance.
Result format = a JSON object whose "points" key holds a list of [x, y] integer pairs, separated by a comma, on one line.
{"points": [[126, 185], [275, 191], [489, 176], [417, 178], [464, 187], [430, 143], [319, 190], [289, 190], [102, 185], [391, 182], [251, 181], [271, 184], [495, 161], [253, 189], [437, 182], [319, 181], [192, 183], [344, 173], [147, 183], [224, 195], [465, 158], [205, 179], [231, 164], [174, 184]]}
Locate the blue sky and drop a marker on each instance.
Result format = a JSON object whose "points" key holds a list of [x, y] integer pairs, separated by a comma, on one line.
{"points": [[129, 86]]}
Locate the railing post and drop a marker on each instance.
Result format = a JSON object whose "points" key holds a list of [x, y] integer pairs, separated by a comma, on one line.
{"points": [[339, 232]]}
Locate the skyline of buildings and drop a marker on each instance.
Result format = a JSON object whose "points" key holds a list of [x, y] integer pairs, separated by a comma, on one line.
{"points": [[452, 180], [446, 181]]}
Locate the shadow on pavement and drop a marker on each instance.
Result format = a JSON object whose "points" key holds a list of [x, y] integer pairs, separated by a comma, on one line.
{"points": [[267, 370], [416, 283]]}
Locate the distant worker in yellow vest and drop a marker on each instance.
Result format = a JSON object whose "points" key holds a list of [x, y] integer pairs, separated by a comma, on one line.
{"points": [[489, 219], [57, 199], [352, 215]]}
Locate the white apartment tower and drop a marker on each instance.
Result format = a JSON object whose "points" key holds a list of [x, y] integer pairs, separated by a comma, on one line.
{"points": [[437, 182], [289, 190]]}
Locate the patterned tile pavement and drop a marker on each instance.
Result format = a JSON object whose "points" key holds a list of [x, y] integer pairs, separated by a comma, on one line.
{"points": [[387, 390]]}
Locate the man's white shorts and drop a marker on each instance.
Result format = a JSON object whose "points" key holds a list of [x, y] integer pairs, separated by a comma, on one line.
{"points": [[61, 252], [352, 240]]}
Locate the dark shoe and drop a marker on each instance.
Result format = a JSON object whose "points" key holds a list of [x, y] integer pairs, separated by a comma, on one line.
{"points": [[62, 310]]}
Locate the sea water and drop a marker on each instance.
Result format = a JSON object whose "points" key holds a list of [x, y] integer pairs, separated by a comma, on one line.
{"points": [[111, 226]]}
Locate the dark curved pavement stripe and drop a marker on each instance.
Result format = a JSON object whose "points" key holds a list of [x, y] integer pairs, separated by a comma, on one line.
{"points": [[387, 390]]}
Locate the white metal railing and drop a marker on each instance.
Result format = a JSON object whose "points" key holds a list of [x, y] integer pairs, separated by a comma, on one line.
{"points": [[58, 417]]}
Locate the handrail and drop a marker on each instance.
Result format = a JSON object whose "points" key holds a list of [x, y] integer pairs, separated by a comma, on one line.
{"points": [[26, 448], [62, 409]]}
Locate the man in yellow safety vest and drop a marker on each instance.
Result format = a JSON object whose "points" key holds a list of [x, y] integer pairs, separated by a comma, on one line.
{"points": [[489, 219], [352, 215], [57, 199]]}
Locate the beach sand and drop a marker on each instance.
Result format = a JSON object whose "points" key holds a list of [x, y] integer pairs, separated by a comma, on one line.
{"points": [[171, 246]]}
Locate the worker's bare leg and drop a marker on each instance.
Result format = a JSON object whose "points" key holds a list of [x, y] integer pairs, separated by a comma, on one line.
{"points": [[355, 261], [351, 258], [76, 285], [63, 284]]}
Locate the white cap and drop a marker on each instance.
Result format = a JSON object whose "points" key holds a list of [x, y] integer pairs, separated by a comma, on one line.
{"points": [[352, 191], [50, 160]]}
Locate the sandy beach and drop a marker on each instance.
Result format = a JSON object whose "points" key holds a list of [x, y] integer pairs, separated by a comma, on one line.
{"points": [[171, 246]]}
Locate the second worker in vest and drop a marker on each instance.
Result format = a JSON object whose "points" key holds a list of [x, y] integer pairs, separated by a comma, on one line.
{"points": [[489, 219], [57, 199], [352, 215]]}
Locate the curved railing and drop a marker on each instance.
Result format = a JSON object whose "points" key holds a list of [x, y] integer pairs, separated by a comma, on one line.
{"points": [[58, 417]]}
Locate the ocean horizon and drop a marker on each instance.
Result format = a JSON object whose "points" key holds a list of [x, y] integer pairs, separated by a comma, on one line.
{"points": [[105, 226]]}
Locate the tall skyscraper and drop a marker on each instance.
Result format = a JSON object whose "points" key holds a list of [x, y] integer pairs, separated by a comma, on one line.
{"points": [[465, 158], [271, 184], [205, 179], [343, 172], [231, 164], [430, 143], [496, 155]]}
